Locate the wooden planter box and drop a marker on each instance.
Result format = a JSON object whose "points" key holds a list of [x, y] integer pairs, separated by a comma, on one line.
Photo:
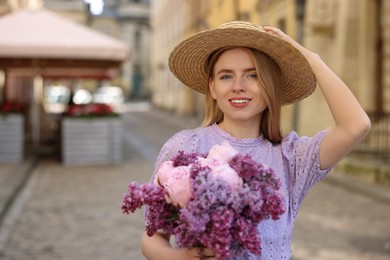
{"points": [[92, 141], [11, 138]]}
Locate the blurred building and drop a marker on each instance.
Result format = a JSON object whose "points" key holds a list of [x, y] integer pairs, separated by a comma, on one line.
{"points": [[352, 37], [7, 6], [127, 20], [130, 20], [75, 10], [168, 26]]}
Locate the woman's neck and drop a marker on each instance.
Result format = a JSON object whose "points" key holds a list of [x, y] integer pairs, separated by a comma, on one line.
{"points": [[241, 130]]}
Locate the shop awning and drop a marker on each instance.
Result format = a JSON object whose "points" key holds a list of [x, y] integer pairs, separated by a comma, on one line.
{"points": [[41, 38]]}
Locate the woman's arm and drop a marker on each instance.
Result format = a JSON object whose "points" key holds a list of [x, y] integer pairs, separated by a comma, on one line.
{"points": [[157, 247], [351, 121]]}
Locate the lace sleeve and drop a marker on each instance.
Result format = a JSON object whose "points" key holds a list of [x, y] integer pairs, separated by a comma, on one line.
{"points": [[304, 164]]}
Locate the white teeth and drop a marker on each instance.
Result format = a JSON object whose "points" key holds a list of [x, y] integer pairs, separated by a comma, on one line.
{"points": [[239, 101]]}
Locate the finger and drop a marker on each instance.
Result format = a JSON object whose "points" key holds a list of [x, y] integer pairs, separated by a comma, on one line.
{"points": [[267, 27], [274, 31], [205, 253], [270, 28]]}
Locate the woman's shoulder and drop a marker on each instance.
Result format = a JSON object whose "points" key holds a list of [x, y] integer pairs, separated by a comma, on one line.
{"points": [[186, 140], [290, 138], [292, 141], [186, 135]]}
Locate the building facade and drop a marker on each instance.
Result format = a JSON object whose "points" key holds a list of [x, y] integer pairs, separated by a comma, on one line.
{"points": [[129, 20], [168, 29]]}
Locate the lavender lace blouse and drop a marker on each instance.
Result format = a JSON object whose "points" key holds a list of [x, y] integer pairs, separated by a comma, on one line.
{"points": [[295, 161]]}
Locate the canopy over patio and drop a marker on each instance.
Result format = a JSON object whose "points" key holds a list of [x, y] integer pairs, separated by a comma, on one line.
{"points": [[43, 39], [40, 43]]}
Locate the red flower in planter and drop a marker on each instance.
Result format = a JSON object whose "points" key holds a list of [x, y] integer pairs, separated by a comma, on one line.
{"points": [[90, 110], [11, 107], [99, 109], [75, 110]]}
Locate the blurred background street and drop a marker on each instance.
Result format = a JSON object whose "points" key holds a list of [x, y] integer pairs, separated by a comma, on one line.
{"points": [[87, 100]]}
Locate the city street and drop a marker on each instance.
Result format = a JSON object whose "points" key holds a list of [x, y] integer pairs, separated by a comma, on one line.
{"points": [[73, 212]]}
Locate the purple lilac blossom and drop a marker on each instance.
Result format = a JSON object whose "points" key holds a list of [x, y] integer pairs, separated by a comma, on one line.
{"points": [[216, 216], [182, 159]]}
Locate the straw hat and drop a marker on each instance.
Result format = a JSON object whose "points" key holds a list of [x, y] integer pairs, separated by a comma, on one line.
{"points": [[188, 59]]}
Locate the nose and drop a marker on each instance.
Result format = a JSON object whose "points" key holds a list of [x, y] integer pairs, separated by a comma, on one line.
{"points": [[238, 85]]}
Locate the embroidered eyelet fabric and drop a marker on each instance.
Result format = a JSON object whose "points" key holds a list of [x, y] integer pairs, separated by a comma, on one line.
{"points": [[295, 162]]}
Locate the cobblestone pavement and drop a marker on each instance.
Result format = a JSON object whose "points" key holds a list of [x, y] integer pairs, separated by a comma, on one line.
{"points": [[336, 224], [73, 212]]}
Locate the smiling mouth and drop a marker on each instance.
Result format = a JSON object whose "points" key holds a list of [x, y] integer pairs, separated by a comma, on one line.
{"points": [[239, 101]]}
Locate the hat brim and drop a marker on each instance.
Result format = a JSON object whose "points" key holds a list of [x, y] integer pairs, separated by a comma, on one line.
{"points": [[188, 58]]}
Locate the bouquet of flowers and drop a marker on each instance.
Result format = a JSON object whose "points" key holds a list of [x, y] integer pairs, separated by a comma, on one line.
{"points": [[213, 200]]}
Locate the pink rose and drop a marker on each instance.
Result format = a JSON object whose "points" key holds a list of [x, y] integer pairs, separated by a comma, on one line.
{"points": [[163, 172], [226, 173], [224, 152], [177, 184], [210, 162]]}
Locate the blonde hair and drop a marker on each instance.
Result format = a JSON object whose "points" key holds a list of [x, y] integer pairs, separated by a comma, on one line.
{"points": [[269, 79]]}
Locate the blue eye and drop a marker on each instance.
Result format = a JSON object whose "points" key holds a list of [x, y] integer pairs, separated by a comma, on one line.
{"points": [[224, 77], [252, 76]]}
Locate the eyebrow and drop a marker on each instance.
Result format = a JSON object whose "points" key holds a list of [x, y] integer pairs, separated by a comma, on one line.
{"points": [[230, 71]]}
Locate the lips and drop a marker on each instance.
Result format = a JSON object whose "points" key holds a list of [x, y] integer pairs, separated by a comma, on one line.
{"points": [[239, 101]]}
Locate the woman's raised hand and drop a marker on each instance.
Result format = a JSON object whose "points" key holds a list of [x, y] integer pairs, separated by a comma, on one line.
{"points": [[305, 52]]}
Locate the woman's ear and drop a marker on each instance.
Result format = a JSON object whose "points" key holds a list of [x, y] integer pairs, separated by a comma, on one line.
{"points": [[211, 87]]}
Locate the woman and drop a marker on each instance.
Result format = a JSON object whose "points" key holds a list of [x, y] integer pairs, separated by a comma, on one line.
{"points": [[247, 73]]}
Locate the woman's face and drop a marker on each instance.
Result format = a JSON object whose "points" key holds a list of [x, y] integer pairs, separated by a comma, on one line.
{"points": [[235, 87]]}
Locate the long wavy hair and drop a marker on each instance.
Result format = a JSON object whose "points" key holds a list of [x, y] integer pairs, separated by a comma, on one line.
{"points": [[269, 79]]}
